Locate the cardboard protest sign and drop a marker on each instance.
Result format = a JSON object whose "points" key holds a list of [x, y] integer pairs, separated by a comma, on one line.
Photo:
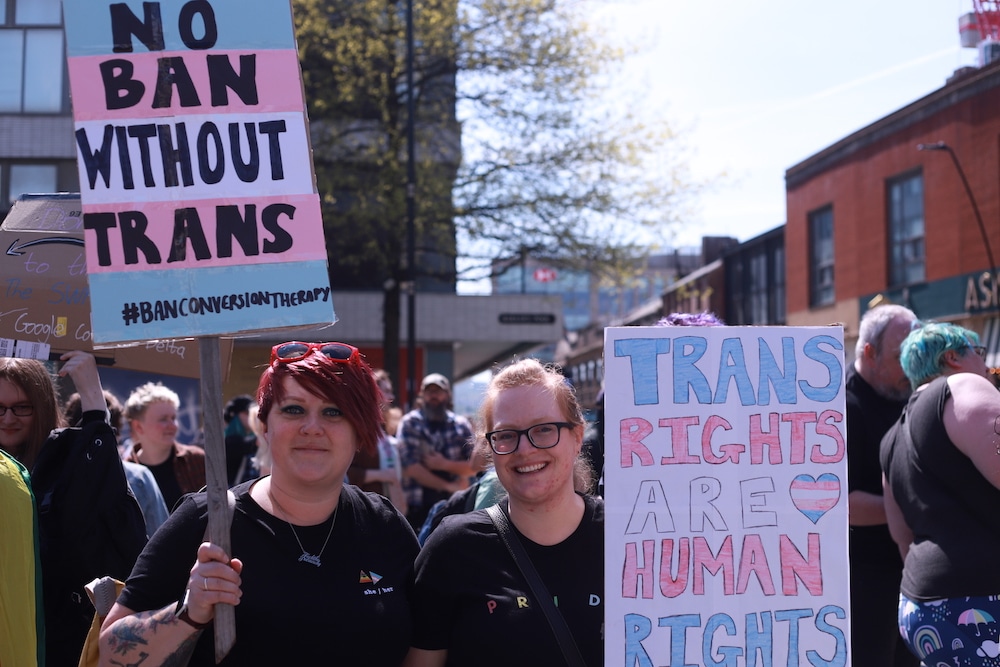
{"points": [[726, 496], [45, 310], [199, 204]]}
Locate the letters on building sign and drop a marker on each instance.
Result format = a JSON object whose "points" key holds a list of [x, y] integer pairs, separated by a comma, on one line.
{"points": [[981, 292]]}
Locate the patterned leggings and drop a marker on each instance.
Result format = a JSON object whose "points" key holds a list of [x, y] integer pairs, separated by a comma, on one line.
{"points": [[952, 632]]}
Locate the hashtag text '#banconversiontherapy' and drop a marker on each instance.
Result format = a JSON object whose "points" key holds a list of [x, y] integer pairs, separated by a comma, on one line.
{"points": [[134, 312]]}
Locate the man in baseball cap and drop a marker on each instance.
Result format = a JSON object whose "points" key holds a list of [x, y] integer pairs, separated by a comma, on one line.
{"points": [[436, 379], [435, 447]]}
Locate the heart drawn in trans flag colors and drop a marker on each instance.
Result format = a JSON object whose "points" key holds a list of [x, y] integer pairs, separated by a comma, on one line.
{"points": [[815, 496]]}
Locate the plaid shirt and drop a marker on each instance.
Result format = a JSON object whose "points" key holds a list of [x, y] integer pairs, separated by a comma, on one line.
{"points": [[452, 439]]}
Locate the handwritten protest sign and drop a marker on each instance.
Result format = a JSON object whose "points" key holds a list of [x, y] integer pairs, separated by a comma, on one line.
{"points": [[199, 204], [726, 491], [45, 300]]}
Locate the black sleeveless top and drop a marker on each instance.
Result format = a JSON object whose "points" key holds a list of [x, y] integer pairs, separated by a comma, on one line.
{"points": [[953, 511]]}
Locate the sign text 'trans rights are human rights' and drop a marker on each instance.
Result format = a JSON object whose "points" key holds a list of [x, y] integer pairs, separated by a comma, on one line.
{"points": [[200, 210], [726, 497]]}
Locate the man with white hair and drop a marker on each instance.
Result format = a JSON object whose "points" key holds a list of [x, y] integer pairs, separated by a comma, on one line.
{"points": [[877, 390]]}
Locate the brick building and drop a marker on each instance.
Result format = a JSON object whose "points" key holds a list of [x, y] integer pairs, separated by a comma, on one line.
{"points": [[884, 214]]}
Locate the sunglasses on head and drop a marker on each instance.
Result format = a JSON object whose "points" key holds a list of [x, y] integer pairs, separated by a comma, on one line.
{"points": [[295, 350]]}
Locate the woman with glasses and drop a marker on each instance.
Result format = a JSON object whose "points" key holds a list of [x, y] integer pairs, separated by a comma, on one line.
{"points": [[472, 605], [318, 570], [29, 408], [29, 411], [941, 471]]}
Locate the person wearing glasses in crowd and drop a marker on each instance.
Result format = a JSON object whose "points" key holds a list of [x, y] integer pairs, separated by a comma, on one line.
{"points": [[471, 604], [941, 466], [29, 411], [318, 570]]}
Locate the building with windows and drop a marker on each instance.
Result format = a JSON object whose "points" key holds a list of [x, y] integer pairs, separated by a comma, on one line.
{"points": [[588, 300], [37, 153], [904, 210], [742, 283], [754, 275]]}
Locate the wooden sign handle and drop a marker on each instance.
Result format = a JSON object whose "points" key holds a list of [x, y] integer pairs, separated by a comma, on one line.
{"points": [[219, 512]]}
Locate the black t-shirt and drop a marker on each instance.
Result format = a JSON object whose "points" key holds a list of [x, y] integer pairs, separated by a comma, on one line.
{"points": [[869, 416], [352, 610], [470, 598], [165, 478]]}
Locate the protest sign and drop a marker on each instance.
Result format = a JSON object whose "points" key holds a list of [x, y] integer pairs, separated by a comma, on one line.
{"points": [[199, 204], [45, 310], [726, 497]]}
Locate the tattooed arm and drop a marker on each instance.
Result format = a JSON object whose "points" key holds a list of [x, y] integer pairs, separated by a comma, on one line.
{"points": [[148, 638], [161, 637]]}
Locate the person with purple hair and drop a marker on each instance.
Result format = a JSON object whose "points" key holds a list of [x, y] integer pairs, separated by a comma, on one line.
{"points": [[703, 319]]}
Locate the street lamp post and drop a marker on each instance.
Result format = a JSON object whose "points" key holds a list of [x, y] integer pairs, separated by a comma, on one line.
{"points": [[411, 214], [942, 146]]}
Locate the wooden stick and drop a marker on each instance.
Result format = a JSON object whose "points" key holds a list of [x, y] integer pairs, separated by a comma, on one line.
{"points": [[219, 512]]}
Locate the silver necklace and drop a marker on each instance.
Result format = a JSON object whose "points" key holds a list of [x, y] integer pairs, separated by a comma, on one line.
{"points": [[306, 557]]}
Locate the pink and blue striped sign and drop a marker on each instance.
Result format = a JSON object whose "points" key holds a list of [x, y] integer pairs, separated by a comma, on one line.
{"points": [[200, 208]]}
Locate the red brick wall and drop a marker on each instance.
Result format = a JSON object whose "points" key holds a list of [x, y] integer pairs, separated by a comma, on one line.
{"points": [[856, 188]]}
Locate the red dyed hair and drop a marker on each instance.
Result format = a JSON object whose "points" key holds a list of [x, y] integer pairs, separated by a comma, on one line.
{"points": [[350, 386]]}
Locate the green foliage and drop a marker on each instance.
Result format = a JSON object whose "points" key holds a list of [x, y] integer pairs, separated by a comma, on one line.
{"points": [[543, 164], [516, 150]]}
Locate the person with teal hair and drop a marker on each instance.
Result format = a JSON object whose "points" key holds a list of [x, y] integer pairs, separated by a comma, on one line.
{"points": [[941, 477], [922, 355]]}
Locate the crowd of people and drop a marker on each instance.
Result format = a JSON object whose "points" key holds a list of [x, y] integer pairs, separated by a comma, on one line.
{"points": [[333, 484]]}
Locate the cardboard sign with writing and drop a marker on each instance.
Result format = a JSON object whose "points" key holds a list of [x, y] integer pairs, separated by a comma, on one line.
{"points": [[726, 496], [45, 310], [199, 204]]}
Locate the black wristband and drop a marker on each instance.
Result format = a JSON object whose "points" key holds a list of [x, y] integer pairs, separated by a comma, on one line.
{"points": [[181, 614]]}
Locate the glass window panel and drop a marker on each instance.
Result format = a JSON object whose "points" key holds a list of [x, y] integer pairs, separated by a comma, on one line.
{"points": [[31, 178], [43, 81], [906, 230], [37, 12], [823, 256], [11, 52]]}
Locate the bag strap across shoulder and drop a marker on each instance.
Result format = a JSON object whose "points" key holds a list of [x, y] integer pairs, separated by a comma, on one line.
{"points": [[563, 635]]}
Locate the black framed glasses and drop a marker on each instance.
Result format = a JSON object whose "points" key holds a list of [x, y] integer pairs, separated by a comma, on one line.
{"points": [[295, 350], [23, 410], [980, 350], [541, 436]]}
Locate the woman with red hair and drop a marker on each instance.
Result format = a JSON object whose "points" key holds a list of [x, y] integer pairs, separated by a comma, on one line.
{"points": [[318, 569]]}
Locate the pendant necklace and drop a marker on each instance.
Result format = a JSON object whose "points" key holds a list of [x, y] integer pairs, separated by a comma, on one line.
{"points": [[306, 557]]}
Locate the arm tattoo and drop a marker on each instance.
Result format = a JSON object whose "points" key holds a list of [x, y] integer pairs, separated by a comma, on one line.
{"points": [[182, 655], [142, 659], [129, 635]]}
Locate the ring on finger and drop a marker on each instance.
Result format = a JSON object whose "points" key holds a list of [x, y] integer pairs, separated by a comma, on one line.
{"points": [[204, 583]]}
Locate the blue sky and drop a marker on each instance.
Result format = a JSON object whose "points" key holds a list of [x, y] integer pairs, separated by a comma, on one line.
{"points": [[756, 87]]}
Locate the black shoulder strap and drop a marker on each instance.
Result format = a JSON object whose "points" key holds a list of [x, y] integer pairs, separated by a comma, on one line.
{"points": [[565, 638]]}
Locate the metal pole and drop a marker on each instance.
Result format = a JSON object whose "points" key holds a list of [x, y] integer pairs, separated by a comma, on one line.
{"points": [[411, 214], [942, 146]]}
